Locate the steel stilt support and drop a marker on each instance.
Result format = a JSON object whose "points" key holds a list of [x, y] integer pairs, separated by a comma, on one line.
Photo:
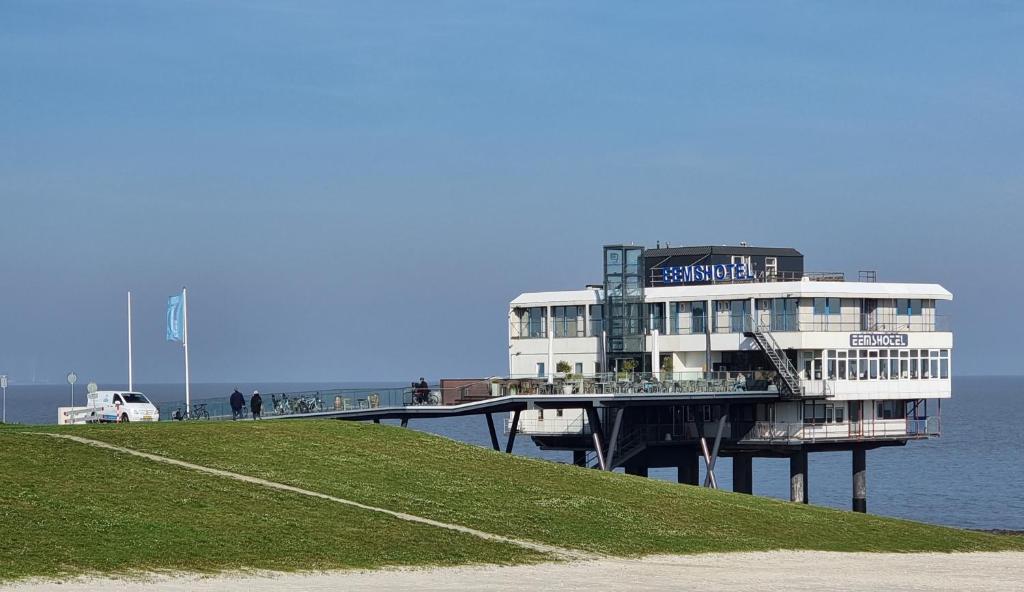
{"points": [[493, 433], [598, 434], [405, 422], [743, 473], [860, 480], [798, 477], [613, 442], [689, 468], [636, 468], [579, 458], [512, 431]]}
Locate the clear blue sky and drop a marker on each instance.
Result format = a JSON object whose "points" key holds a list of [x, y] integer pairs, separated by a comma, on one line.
{"points": [[355, 191]]}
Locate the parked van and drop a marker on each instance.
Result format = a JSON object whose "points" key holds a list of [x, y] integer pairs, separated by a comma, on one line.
{"points": [[123, 407]]}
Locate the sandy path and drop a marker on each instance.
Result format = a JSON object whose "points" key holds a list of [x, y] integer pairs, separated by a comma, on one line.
{"points": [[765, 572], [551, 549]]}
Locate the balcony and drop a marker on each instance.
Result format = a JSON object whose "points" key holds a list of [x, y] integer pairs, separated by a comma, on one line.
{"points": [[809, 432], [623, 383]]}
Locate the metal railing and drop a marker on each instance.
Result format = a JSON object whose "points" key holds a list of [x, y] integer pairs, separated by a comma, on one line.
{"points": [[304, 402], [636, 383], [804, 431], [551, 425]]}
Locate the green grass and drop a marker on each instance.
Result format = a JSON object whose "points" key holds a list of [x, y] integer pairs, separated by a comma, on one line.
{"points": [[71, 509], [556, 504]]}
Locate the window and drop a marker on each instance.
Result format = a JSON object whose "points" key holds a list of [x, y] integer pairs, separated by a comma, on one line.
{"points": [[904, 364], [934, 364], [839, 414], [784, 314], [596, 319], [697, 317], [568, 321], [944, 364], [579, 368], [891, 410], [771, 267], [117, 400], [831, 364], [533, 322], [739, 311], [540, 370], [815, 413]]}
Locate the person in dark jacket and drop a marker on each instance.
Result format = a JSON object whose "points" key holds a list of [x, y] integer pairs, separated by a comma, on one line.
{"points": [[256, 404], [237, 404], [422, 392]]}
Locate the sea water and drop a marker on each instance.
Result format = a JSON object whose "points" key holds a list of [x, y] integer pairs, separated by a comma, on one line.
{"points": [[971, 477]]}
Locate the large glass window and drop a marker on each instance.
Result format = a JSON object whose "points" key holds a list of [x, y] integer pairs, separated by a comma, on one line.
{"points": [[697, 317], [891, 410], [944, 364], [596, 319], [568, 321], [739, 312], [784, 314], [532, 322]]}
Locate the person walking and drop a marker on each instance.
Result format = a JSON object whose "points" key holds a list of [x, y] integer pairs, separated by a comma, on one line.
{"points": [[256, 404], [237, 404]]}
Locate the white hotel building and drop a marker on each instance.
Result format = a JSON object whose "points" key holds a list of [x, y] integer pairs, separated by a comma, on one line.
{"points": [[798, 361]]}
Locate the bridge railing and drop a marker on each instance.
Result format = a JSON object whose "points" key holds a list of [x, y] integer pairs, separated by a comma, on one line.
{"points": [[300, 402]]}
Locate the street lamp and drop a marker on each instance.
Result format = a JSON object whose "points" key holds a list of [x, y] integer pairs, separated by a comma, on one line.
{"points": [[72, 379]]}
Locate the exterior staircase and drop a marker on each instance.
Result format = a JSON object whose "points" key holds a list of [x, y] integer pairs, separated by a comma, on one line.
{"points": [[789, 380]]}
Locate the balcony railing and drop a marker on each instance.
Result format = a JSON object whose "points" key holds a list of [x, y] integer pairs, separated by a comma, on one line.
{"points": [[636, 383], [804, 431]]}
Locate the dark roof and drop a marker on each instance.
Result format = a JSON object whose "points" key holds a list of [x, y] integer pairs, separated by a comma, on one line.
{"points": [[723, 250]]}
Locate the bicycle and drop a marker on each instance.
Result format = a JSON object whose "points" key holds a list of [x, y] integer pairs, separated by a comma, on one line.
{"points": [[199, 412]]}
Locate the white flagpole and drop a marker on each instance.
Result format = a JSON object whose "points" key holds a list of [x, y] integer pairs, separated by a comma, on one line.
{"points": [[131, 386], [184, 318]]}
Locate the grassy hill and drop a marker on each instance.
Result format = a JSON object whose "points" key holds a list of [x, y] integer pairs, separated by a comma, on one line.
{"points": [[67, 508], [96, 507]]}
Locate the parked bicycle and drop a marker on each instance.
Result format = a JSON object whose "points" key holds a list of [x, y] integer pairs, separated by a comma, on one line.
{"points": [[198, 412]]}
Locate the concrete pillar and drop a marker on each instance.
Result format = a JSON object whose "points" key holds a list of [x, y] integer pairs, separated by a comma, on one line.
{"points": [[579, 458], [636, 468], [860, 480], [743, 473], [798, 477], [655, 353], [689, 467]]}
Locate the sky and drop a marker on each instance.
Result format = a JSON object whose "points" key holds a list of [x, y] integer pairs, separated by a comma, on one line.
{"points": [[356, 190]]}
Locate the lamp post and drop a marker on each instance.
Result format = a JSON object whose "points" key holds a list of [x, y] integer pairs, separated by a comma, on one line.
{"points": [[72, 379], [3, 386]]}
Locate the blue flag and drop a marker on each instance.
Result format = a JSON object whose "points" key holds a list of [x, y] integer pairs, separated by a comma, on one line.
{"points": [[175, 316]]}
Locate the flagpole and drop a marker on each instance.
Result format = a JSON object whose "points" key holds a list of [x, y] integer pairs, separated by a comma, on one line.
{"points": [[131, 386], [184, 307]]}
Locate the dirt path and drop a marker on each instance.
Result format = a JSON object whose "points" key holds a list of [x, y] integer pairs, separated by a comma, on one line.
{"points": [[789, 571], [556, 552]]}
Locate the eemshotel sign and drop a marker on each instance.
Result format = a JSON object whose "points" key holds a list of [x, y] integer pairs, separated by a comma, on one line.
{"points": [[879, 340]]}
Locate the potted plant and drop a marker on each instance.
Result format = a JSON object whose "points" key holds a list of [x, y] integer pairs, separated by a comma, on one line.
{"points": [[564, 370], [627, 368]]}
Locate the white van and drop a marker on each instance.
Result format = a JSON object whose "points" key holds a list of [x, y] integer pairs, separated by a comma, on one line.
{"points": [[123, 407]]}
